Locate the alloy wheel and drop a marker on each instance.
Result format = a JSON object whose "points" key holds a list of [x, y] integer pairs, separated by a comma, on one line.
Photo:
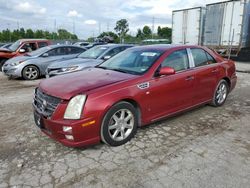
{"points": [[221, 93], [31, 73], [121, 124]]}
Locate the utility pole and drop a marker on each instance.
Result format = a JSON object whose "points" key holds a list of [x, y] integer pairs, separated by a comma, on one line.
{"points": [[18, 25], [153, 26], [107, 26], [100, 28], [9, 32], [54, 29], [73, 26]]}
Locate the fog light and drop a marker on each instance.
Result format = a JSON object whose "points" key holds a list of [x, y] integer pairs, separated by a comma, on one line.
{"points": [[69, 137], [67, 129]]}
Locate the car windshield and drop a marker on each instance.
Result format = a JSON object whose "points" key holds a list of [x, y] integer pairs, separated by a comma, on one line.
{"points": [[94, 52], [134, 61], [39, 51], [14, 46]]}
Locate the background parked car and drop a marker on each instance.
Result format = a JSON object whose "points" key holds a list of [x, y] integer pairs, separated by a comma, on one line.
{"points": [[21, 47], [90, 58], [7, 45], [81, 44], [91, 45], [32, 65]]}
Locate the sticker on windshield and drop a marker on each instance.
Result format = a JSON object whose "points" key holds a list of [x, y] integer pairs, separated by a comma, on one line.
{"points": [[149, 54]]}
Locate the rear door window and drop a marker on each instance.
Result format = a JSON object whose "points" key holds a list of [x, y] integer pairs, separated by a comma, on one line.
{"points": [[73, 50], [178, 60], [56, 52], [201, 57]]}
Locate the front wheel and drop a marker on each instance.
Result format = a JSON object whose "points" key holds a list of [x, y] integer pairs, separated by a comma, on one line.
{"points": [[119, 124], [2, 63], [30, 72], [221, 93]]}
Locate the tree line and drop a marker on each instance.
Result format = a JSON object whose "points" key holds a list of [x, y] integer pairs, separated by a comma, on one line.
{"points": [[11, 36], [120, 35], [122, 29]]}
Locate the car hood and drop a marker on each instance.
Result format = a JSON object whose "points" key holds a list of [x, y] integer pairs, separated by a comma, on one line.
{"points": [[71, 62], [69, 85], [18, 58], [5, 50]]}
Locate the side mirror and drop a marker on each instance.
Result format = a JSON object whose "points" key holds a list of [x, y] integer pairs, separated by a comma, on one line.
{"points": [[22, 50], [106, 57], [45, 55], [166, 71]]}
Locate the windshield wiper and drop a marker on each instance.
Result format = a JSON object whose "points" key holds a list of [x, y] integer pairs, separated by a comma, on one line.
{"points": [[120, 70], [101, 67]]}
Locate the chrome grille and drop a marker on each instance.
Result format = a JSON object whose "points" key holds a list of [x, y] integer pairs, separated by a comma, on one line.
{"points": [[45, 104]]}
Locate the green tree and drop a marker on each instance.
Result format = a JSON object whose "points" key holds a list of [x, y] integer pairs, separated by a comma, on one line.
{"points": [[29, 33], [22, 33], [122, 27], [139, 34], [147, 31], [164, 32]]}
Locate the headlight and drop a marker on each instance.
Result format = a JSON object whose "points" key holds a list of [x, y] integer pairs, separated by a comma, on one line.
{"points": [[69, 69], [16, 63], [74, 108]]}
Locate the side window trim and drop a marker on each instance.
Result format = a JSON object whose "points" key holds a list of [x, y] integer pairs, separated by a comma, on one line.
{"points": [[190, 58]]}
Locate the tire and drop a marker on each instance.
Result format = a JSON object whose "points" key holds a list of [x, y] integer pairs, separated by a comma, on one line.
{"points": [[220, 94], [30, 72], [2, 61], [115, 129]]}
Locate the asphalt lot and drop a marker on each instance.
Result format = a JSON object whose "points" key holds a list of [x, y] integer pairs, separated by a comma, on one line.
{"points": [[206, 147]]}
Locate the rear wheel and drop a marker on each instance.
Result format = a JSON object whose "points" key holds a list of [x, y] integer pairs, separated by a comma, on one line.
{"points": [[30, 72], [221, 93], [119, 124]]}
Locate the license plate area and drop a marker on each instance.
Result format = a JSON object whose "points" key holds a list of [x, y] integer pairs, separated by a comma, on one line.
{"points": [[39, 120]]}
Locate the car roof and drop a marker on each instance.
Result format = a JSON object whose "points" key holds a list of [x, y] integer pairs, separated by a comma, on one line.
{"points": [[25, 40], [63, 45], [165, 47], [115, 45]]}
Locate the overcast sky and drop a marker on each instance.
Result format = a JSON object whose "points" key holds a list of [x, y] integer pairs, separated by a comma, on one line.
{"points": [[89, 16]]}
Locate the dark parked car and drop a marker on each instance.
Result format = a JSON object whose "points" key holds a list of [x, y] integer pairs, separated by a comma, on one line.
{"points": [[91, 45], [136, 87], [89, 58], [83, 44], [32, 65]]}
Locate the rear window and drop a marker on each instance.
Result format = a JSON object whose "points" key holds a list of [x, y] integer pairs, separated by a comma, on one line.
{"points": [[201, 57], [42, 44]]}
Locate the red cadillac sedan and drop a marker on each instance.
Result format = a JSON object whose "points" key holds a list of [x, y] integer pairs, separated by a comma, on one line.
{"points": [[136, 87]]}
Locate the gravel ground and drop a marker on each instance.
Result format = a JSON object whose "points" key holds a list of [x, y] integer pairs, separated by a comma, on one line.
{"points": [[206, 147]]}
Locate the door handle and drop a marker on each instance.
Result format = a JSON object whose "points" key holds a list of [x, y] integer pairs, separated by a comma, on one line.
{"points": [[214, 70], [188, 78]]}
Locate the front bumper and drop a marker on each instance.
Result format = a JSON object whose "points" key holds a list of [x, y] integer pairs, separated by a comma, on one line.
{"points": [[11, 71], [83, 135]]}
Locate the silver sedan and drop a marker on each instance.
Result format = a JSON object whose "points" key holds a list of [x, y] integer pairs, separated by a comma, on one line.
{"points": [[33, 65]]}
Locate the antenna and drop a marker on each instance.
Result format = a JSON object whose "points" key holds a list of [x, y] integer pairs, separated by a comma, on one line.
{"points": [[153, 26]]}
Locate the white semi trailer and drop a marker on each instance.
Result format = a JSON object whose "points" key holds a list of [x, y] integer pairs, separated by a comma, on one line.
{"points": [[187, 26], [226, 28]]}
